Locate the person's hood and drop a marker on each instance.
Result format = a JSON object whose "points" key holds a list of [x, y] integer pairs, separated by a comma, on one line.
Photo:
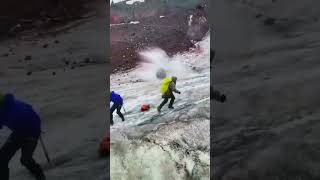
{"points": [[174, 79]]}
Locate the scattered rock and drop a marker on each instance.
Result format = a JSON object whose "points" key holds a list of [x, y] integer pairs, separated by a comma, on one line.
{"points": [[245, 67], [67, 62], [315, 19], [87, 60], [72, 67], [53, 73], [5, 55], [27, 58], [45, 45], [259, 15], [15, 29], [57, 41], [29, 73], [269, 21]]}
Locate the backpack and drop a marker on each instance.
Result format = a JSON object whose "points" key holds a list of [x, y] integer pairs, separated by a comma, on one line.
{"points": [[105, 146], [165, 84]]}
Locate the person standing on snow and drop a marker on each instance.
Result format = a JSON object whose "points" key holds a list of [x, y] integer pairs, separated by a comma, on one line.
{"points": [[25, 125], [117, 105], [167, 88]]}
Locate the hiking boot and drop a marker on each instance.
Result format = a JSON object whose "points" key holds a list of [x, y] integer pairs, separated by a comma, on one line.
{"points": [[158, 109], [171, 107]]}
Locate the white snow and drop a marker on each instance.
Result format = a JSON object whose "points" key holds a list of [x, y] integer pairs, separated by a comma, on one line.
{"points": [[190, 20], [117, 24], [130, 2], [148, 90], [133, 1], [270, 74], [134, 22], [192, 105]]}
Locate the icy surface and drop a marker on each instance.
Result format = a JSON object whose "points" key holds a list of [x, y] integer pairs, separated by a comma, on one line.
{"points": [[127, 2], [268, 65], [174, 144], [134, 22]]}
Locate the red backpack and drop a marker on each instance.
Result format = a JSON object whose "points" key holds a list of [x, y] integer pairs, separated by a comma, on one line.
{"points": [[105, 146], [145, 107]]}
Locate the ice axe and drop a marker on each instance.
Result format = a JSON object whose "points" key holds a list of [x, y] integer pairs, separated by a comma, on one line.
{"points": [[124, 109], [45, 150]]}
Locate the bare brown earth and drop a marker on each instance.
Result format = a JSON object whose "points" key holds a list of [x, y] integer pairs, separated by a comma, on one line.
{"points": [[168, 33], [17, 16]]}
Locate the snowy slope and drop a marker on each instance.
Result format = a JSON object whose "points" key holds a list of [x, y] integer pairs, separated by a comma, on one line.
{"points": [[269, 127], [70, 103], [176, 141]]}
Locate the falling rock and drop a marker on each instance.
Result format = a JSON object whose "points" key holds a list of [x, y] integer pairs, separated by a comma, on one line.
{"points": [[161, 73]]}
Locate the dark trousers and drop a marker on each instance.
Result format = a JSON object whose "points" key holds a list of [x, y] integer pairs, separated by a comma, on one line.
{"points": [[166, 99], [118, 108], [27, 146]]}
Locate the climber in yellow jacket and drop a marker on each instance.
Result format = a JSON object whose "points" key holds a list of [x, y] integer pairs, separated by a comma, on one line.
{"points": [[168, 86]]}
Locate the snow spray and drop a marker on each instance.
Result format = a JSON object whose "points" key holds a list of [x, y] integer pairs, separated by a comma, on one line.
{"points": [[156, 64]]}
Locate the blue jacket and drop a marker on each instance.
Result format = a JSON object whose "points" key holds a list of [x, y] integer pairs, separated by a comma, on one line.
{"points": [[19, 117], [116, 98]]}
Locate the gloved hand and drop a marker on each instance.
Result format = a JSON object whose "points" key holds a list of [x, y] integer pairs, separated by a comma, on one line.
{"points": [[179, 92]]}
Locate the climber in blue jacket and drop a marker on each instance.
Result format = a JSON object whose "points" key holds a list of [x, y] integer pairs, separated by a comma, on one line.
{"points": [[117, 105], [25, 125]]}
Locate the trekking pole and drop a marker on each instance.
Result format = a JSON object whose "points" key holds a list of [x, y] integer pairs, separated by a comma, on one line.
{"points": [[45, 150], [124, 109]]}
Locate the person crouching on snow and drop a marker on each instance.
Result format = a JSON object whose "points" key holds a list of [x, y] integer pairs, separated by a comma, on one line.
{"points": [[117, 105], [25, 125]]}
